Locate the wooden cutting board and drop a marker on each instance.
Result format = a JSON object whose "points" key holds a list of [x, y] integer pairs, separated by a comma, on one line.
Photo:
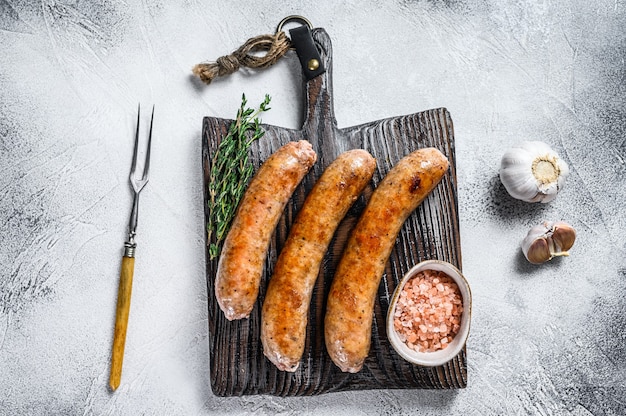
{"points": [[237, 364]]}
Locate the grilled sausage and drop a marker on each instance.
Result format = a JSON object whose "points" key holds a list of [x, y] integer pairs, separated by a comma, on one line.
{"points": [[245, 248], [350, 308], [286, 305]]}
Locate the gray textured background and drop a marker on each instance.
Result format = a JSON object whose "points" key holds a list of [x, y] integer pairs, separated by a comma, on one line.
{"points": [[546, 340]]}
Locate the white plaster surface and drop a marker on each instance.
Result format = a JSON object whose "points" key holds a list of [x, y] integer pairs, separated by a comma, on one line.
{"points": [[547, 340]]}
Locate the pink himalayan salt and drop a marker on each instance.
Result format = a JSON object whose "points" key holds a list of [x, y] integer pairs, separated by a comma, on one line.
{"points": [[428, 311]]}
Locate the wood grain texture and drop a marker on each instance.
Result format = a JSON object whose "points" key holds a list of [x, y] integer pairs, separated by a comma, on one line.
{"points": [[237, 364], [122, 311]]}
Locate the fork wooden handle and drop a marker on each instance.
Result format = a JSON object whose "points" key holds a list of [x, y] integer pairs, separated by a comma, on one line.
{"points": [[121, 320]]}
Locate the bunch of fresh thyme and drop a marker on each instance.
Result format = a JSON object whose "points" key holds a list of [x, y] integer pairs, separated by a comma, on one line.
{"points": [[231, 170]]}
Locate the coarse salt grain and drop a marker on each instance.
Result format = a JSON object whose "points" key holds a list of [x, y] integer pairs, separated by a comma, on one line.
{"points": [[434, 320]]}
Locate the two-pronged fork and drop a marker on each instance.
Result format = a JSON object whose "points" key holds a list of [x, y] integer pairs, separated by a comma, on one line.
{"points": [[128, 262]]}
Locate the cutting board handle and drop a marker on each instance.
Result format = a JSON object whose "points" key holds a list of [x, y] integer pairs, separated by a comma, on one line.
{"points": [[319, 114]]}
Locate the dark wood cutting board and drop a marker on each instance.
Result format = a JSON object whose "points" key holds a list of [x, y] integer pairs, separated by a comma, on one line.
{"points": [[237, 364]]}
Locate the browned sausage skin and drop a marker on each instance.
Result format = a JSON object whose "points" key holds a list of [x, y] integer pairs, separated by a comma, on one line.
{"points": [[286, 304], [245, 248], [350, 307]]}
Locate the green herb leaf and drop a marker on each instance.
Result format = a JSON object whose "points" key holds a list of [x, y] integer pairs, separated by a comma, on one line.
{"points": [[230, 171]]}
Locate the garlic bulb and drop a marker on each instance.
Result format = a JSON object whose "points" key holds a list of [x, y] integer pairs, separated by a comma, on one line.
{"points": [[533, 172], [548, 240]]}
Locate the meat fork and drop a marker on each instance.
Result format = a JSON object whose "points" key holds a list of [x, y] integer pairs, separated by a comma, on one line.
{"points": [[128, 262]]}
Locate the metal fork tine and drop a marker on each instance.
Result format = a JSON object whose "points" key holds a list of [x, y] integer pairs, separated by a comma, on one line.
{"points": [[133, 166], [146, 168]]}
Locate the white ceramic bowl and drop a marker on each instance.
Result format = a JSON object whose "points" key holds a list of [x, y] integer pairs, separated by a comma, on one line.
{"points": [[439, 357]]}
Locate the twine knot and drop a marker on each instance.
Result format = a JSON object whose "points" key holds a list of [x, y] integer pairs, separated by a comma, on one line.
{"points": [[227, 65], [274, 46]]}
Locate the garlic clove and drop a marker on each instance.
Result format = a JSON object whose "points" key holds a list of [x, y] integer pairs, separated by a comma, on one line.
{"points": [[533, 172], [563, 236], [538, 251], [548, 240]]}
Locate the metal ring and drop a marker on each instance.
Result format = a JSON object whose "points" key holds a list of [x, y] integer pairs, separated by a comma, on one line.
{"points": [[293, 18]]}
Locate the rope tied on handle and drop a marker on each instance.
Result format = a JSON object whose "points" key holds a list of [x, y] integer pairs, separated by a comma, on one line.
{"points": [[275, 46]]}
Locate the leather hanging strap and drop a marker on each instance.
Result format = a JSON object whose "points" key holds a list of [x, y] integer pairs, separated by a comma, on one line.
{"points": [[275, 47]]}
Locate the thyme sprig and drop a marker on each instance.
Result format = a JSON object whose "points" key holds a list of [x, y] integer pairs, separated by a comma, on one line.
{"points": [[231, 170]]}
